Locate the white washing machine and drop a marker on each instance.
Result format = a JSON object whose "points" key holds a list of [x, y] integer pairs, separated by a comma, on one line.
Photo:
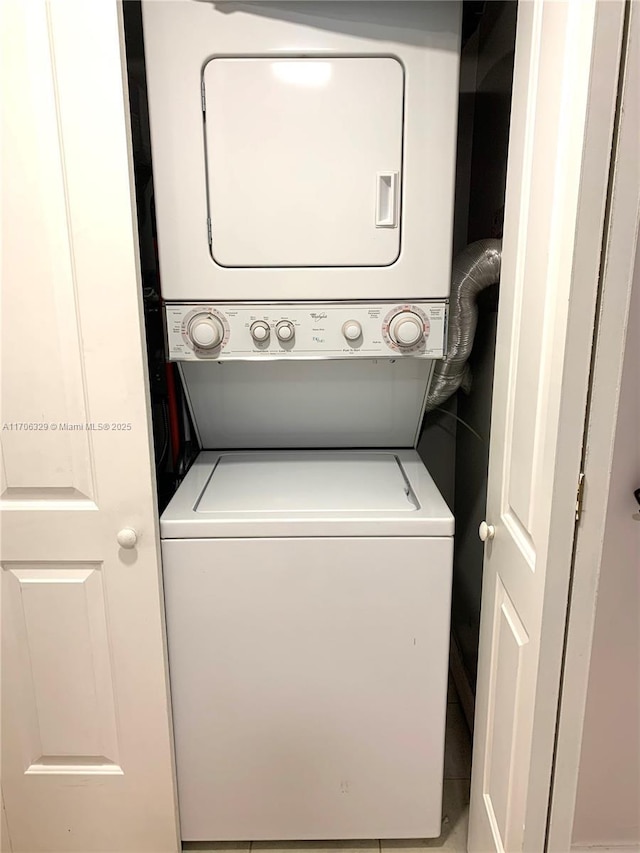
{"points": [[307, 591], [307, 605]]}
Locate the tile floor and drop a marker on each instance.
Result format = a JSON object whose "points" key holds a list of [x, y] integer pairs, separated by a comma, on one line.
{"points": [[455, 808]]}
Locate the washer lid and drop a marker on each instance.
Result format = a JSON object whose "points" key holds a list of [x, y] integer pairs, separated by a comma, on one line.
{"points": [[288, 493], [307, 482]]}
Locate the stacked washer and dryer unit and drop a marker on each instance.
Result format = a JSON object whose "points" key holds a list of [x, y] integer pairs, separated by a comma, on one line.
{"points": [[303, 161]]}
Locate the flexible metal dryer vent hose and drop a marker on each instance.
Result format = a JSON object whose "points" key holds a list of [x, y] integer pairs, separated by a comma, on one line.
{"points": [[474, 269]]}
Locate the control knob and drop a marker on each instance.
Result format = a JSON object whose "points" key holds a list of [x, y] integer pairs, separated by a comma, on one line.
{"points": [[352, 330], [205, 331], [406, 329], [260, 331], [285, 331]]}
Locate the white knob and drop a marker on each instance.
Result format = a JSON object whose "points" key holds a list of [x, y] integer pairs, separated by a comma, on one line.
{"points": [[127, 537], [285, 331], [352, 330], [486, 531], [406, 329], [260, 331], [206, 331]]}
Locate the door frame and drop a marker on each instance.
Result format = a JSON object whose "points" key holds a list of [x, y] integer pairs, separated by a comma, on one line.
{"points": [[619, 262]]}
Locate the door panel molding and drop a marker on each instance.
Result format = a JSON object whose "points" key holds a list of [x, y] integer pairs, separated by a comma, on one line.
{"points": [[62, 662]]}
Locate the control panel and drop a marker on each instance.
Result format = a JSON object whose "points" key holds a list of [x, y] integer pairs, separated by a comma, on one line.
{"points": [[225, 332]]}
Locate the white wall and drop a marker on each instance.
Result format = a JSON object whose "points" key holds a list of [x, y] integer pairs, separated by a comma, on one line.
{"points": [[608, 798]]}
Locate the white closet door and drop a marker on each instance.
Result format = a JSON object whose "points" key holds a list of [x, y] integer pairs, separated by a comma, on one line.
{"points": [[566, 68], [304, 160], [86, 741]]}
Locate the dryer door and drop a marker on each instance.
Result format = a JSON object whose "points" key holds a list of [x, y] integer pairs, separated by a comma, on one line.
{"points": [[304, 160]]}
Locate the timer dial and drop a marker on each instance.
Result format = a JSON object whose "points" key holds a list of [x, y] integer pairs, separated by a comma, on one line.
{"points": [[205, 331], [260, 331], [285, 331], [406, 329]]}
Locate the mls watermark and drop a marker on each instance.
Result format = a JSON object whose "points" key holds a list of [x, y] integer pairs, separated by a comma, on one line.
{"points": [[67, 426]]}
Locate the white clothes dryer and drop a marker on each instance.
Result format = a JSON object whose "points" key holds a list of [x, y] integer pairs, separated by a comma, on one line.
{"points": [[307, 605], [303, 151]]}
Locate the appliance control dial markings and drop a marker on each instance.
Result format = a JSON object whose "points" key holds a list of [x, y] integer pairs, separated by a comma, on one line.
{"points": [[260, 331], [285, 331], [406, 328], [205, 330], [201, 331]]}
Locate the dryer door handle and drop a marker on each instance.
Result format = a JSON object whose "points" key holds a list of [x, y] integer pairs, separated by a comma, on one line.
{"points": [[387, 200]]}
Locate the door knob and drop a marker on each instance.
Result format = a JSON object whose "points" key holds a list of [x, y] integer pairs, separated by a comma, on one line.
{"points": [[127, 537], [636, 515], [486, 531]]}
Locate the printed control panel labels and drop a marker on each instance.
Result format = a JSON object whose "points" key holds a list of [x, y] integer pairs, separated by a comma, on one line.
{"points": [[224, 332]]}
